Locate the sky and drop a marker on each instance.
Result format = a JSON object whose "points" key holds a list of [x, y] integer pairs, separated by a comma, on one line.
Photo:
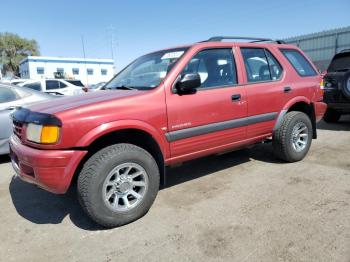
{"points": [[133, 28]]}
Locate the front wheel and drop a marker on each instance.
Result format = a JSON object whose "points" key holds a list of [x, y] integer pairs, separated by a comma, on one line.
{"points": [[292, 140], [118, 184]]}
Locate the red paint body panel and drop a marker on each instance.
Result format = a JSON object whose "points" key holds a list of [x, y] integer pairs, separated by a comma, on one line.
{"points": [[50, 169], [159, 111]]}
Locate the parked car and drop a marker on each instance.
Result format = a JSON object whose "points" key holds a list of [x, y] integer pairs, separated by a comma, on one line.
{"points": [[14, 81], [96, 87], [10, 98], [56, 86], [337, 87], [165, 108]]}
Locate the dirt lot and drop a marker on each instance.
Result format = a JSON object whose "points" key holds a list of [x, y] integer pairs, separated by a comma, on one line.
{"points": [[242, 206]]}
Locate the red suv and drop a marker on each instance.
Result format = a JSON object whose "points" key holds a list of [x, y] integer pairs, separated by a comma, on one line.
{"points": [[164, 108]]}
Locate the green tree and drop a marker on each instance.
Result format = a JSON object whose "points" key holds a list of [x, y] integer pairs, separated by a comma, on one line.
{"points": [[13, 49]]}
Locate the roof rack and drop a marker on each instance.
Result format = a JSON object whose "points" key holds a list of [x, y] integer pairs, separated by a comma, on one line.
{"points": [[252, 39]]}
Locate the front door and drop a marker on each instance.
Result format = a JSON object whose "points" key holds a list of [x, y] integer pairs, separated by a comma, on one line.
{"points": [[212, 117]]}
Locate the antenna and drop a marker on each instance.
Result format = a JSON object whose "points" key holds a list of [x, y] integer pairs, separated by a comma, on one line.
{"points": [[112, 43], [83, 46]]}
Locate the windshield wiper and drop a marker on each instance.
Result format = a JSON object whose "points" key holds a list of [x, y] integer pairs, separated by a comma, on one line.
{"points": [[123, 87]]}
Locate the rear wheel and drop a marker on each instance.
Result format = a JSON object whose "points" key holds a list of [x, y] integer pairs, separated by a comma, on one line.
{"points": [[292, 141], [331, 116], [118, 184]]}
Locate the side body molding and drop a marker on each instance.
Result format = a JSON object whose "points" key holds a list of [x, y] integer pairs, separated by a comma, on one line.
{"points": [[107, 128]]}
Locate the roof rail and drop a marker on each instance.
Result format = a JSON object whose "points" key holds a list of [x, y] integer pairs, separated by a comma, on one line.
{"points": [[345, 50], [252, 39]]}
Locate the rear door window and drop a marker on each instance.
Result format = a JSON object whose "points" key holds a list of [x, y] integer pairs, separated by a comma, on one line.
{"points": [[260, 65], [299, 62]]}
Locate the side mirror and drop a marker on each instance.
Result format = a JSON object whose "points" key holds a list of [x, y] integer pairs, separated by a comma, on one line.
{"points": [[188, 84]]}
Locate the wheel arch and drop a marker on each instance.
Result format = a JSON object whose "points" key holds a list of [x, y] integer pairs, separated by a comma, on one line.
{"points": [[125, 132], [301, 104]]}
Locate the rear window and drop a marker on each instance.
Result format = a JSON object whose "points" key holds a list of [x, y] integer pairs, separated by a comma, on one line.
{"points": [[340, 62], [34, 86], [299, 62], [75, 82]]}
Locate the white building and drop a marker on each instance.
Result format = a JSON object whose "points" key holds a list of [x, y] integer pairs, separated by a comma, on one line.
{"points": [[89, 71]]}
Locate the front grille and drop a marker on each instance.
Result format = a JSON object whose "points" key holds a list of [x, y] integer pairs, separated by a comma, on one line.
{"points": [[17, 128]]}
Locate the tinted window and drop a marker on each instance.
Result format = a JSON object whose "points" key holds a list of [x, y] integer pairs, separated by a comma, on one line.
{"points": [[75, 82], [90, 71], [60, 70], [7, 95], [103, 72], [62, 85], [75, 71], [35, 86], [215, 67], [40, 70], [299, 62], [52, 84], [340, 62]]}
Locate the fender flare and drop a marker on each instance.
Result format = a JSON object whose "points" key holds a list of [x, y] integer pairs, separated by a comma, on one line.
{"points": [[114, 126], [286, 107]]}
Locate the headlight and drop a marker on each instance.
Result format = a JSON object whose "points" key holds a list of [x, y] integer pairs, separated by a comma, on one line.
{"points": [[42, 134]]}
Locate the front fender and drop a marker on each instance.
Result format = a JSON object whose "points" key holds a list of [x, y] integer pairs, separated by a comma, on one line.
{"points": [[106, 128]]}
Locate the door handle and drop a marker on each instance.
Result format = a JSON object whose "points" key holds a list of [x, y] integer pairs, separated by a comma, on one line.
{"points": [[287, 89], [236, 97]]}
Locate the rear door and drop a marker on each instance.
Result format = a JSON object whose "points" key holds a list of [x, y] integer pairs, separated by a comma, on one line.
{"points": [[212, 116], [266, 91]]}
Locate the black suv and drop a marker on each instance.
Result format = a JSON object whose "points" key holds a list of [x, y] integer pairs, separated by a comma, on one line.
{"points": [[337, 87]]}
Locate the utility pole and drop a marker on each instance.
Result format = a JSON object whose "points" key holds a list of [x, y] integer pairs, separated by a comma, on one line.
{"points": [[83, 46], [112, 43]]}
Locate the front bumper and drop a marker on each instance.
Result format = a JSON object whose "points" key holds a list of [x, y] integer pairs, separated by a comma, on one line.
{"points": [[51, 170], [320, 110]]}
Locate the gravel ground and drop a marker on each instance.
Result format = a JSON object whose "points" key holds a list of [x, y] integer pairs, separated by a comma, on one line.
{"points": [[241, 206]]}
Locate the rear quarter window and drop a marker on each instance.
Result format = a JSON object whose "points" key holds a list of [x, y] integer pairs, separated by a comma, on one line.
{"points": [[299, 62]]}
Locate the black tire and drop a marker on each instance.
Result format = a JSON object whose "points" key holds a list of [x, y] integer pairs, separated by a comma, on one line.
{"points": [[96, 170], [331, 116], [282, 137], [345, 86]]}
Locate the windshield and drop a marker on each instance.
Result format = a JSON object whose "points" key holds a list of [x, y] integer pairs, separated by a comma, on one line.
{"points": [[148, 71], [340, 62]]}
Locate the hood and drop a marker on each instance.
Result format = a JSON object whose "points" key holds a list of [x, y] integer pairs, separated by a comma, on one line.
{"points": [[72, 102]]}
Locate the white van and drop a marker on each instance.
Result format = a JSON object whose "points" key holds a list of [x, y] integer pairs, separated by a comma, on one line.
{"points": [[56, 86]]}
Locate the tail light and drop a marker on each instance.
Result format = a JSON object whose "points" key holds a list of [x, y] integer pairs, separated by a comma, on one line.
{"points": [[321, 90]]}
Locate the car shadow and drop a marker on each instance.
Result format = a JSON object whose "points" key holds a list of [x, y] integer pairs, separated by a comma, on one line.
{"points": [[42, 207], [208, 165], [4, 159], [342, 125]]}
